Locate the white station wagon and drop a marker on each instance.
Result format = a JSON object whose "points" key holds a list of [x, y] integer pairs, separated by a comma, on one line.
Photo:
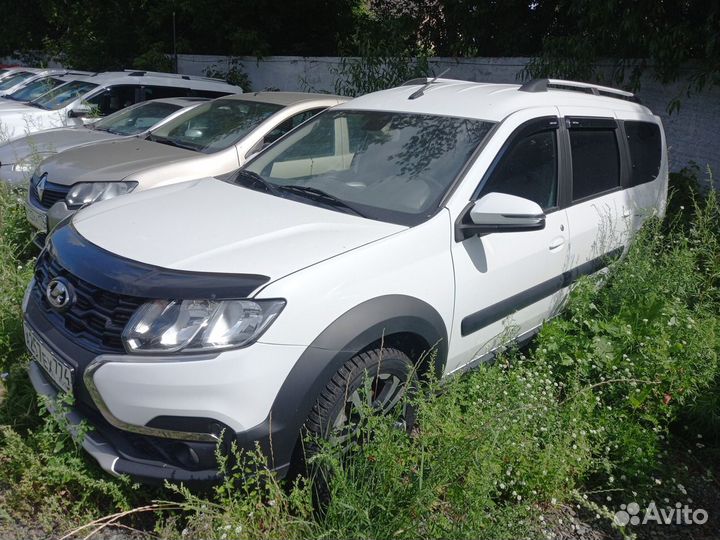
{"points": [[439, 216], [85, 98]]}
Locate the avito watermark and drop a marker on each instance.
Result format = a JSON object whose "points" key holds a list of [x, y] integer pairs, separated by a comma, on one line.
{"points": [[632, 514]]}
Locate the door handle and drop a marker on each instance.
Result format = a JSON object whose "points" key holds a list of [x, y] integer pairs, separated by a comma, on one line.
{"points": [[626, 212], [557, 243]]}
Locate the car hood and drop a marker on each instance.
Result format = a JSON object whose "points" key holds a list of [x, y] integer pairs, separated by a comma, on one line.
{"points": [[51, 141], [110, 161], [209, 225]]}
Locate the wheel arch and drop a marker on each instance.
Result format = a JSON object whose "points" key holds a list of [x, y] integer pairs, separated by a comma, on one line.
{"points": [[399, 321]]}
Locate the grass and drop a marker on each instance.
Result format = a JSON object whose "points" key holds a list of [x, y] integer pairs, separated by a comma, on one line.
{"points": [[586, 416]]}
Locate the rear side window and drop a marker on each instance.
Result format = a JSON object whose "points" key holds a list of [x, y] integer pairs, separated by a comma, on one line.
{"points": [[645, 145], [194, 92], [595, 161], [158, 92]]}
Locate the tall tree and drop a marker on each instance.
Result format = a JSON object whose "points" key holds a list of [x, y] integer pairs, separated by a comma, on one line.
{"points": [[672, 40]]}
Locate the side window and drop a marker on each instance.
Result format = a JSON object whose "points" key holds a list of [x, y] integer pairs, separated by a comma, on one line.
{"points": [[528, 169], [319, 142], [114, 98], [290, 124], [193, 92], [645, 145], [157, 92], [595, 161]]}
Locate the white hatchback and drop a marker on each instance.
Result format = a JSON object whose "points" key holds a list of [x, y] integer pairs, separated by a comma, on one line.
{"points": [[443, 216]]}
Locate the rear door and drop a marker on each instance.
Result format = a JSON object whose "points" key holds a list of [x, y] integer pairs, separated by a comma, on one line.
{"points": [[597, 202]]}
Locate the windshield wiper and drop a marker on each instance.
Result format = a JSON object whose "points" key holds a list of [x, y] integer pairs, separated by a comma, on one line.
{"points": [[170, 142], [321, 196], [33, 104], [244, 177]]}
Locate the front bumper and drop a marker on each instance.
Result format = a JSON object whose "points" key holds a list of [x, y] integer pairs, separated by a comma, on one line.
{"points": [[108, 456], [147, 412]]}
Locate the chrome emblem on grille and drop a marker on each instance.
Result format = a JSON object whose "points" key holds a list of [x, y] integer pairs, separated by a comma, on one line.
{"points": [[41, 186], [59, 293]]}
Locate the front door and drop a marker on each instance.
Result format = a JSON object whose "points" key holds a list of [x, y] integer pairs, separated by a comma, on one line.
{"points": [[508, 283]]}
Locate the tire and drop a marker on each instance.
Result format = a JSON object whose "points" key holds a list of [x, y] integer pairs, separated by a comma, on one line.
{"points": [[390, 374]]}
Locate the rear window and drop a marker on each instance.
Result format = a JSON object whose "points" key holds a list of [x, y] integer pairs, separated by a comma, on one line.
{"points": [[595, 161], [645, 145]]}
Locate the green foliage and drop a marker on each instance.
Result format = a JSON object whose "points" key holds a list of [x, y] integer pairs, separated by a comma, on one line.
{"points": [[671, 41], [16, 250], [155, 59], [44, 472], [383, 56], [232, 72]]}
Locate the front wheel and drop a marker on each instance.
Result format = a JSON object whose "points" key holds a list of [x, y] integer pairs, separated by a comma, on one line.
{"points": [[376, 381]]}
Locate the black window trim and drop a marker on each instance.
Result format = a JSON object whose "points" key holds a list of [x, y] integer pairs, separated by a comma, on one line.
{"points": [[596, 122], [530, 127], [626, 143]]}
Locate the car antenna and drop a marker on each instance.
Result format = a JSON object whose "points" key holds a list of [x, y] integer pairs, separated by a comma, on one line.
{"points": [[421, 91]]}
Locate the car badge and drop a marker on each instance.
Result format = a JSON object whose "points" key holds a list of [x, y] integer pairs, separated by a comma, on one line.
{"points": [[60, 294]]}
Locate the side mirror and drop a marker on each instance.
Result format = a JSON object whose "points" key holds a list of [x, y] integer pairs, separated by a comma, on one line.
{"points": [[80, 111], [499, 212]]}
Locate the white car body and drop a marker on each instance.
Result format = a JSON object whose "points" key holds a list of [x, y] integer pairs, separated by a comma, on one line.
{"points": [[443, 280], [23, 119]]}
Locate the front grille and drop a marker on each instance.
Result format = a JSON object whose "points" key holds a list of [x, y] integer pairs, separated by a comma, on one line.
{"points": [[51, 194], [97, 318]]}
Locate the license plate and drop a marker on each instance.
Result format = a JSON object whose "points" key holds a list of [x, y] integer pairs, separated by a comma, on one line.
{"points": [[36, 218], [60, 373]]}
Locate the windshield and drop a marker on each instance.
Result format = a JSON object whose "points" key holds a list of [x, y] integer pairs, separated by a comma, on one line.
{"points": [[34, 89], [215, 125], [136, 119], [12, 80], [63, 94], [389, 166]]}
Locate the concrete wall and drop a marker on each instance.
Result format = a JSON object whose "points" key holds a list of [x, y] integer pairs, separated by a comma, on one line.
{"points": [[693, 133]]}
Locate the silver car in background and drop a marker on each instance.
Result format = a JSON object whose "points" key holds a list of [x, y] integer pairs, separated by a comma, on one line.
{"points": [[18, 158], [213, 139]]}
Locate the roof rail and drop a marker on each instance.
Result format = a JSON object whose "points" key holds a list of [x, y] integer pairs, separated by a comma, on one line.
{"points": [[142, 73], [543, 85]]}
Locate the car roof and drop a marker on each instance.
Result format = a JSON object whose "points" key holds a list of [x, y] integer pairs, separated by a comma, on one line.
{"points": [[287, 98], [158, 78], [490, 101]]}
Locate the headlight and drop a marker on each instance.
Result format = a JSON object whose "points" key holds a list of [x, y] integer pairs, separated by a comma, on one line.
{"points": [[165, 326], [90, 192]]}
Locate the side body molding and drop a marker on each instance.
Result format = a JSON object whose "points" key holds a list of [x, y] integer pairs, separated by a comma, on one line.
{"points": [[352, 332]]}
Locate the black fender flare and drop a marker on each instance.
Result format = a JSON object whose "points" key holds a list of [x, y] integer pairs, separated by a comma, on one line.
{"points": [[350, 333]]}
